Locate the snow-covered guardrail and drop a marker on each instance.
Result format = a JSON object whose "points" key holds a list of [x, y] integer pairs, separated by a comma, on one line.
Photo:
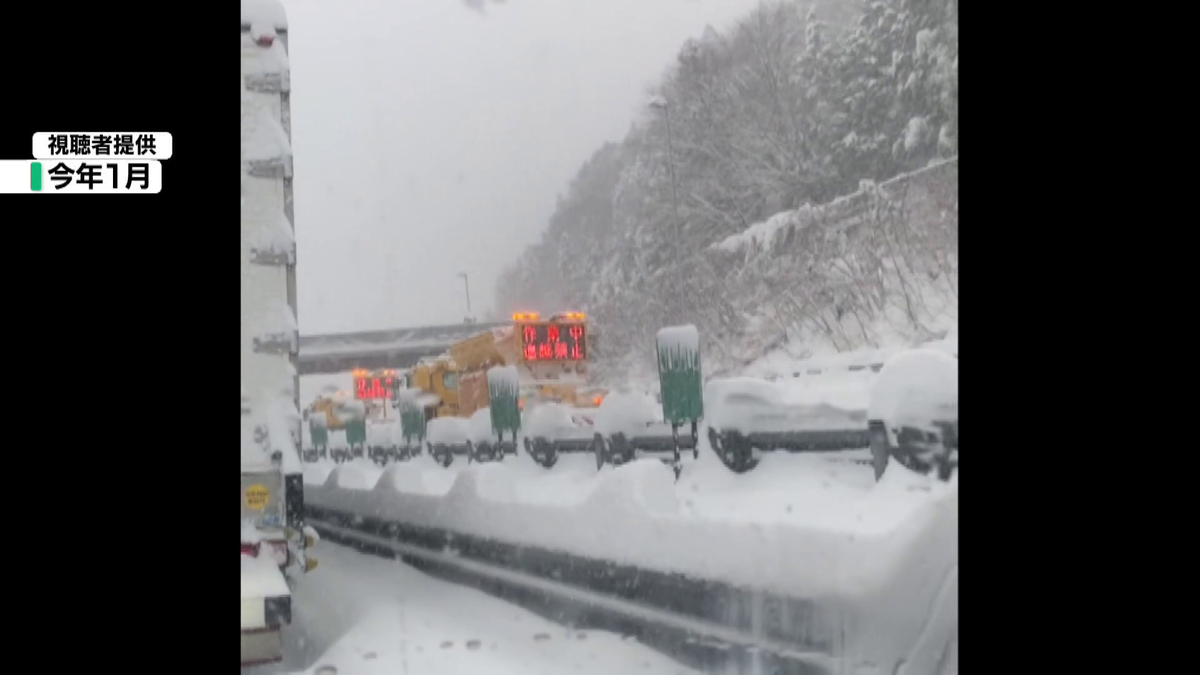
{"points": [[795, 601]]}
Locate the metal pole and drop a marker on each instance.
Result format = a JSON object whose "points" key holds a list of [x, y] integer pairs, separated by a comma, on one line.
{"points": [[467, 288]]}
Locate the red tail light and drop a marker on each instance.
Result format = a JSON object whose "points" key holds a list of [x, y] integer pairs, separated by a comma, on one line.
{"points": [[250, 549]]}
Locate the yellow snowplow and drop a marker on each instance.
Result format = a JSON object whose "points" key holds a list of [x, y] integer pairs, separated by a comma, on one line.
{"points": [[330, 406], [551, 357]]}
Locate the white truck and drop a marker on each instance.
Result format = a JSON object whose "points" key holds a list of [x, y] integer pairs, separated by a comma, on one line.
{"points": [[275, 538]]}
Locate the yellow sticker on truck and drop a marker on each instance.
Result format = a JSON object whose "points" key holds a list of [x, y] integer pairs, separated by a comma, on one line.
{"points": [[256, 497]]}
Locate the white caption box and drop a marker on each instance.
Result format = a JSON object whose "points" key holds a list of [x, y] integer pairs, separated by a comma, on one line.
{"points": [[49, 145]]}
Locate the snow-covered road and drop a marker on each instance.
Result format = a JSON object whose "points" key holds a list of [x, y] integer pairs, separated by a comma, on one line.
{"points": [[364, 615]]}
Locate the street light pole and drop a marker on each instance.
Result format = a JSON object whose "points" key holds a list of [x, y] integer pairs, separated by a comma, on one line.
{"points": [[467, 288], [660, 103]]}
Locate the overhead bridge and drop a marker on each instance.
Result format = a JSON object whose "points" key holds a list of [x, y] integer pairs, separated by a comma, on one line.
{"points": [[397, 348]]}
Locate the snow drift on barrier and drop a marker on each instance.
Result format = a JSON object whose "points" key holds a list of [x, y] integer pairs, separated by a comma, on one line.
{"points": [[853, 545]]}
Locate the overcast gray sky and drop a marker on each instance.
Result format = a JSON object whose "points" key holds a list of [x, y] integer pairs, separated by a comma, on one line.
{"points": [[432, 139]]}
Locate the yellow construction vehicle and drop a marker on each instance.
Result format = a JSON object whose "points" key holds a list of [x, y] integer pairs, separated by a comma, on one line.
{"points": [[439, 377], [550, 356], [330, 406]]}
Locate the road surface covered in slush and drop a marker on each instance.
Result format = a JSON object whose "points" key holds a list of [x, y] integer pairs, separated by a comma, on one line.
{"points": [[365, 615]]}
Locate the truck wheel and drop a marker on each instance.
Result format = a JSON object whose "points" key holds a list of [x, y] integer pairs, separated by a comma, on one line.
{"points": [[622, 450], [734, 450], [544, 453], [879, 447]]}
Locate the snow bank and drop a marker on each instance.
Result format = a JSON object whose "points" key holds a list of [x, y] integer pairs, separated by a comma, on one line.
{"points": [[402, 477], [916, 387], [261, 578], [380, 618], [847, 391], [448, 431], [732, 402], [842, 543], [250, 533], [685, 337], [418, 476], [920, 563], [780, 364], [947, 345], [550, 421], [752, 405], [626, 413], [359, 474], [492, 482], [644, 486], [479, 426], [317, 473], [383, 433]]}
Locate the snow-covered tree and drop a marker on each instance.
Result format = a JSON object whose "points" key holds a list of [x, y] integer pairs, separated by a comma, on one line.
{"points": [[791, 106]]}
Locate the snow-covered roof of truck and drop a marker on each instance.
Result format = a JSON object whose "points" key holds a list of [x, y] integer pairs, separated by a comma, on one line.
{"points": [[263, 12]]}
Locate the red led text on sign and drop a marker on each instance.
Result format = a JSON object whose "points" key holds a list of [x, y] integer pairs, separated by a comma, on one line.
{"points": [[545, 342], [373, 387]]}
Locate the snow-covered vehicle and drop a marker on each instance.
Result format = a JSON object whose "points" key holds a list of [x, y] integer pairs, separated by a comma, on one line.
{"points": [[275, 539], [482, 444], [747, 416], [266, 603], [631, 426], [551, 429], [446, 437], [913, 414], [382, 442]]}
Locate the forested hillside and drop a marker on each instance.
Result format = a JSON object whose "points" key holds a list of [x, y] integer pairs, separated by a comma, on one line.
{"points": [[798, 104]]}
